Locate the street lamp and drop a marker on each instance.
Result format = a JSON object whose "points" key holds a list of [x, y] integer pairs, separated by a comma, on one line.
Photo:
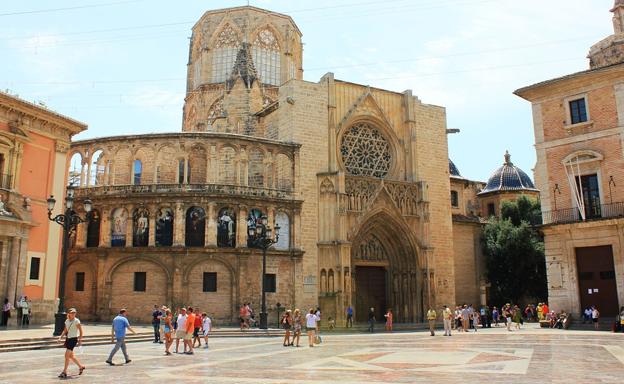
{"points": [[260, 236], [69, 221]]}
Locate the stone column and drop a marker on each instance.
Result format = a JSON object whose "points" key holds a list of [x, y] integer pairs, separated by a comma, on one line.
{"points": [[241, 227], [211, 226], [12, 269], [295, 234], [105, 227], [179, 225], [129, 225], [88, 183], [151, 242]]}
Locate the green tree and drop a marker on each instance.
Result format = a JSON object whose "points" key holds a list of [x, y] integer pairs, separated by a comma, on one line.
{"points": [[514, 254]]}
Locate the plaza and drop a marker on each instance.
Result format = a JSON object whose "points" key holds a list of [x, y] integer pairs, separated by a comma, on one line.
{"points": [[489, 355]]}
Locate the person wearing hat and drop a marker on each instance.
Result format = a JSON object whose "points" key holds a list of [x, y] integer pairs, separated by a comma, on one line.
{"points": [[73, 333]]}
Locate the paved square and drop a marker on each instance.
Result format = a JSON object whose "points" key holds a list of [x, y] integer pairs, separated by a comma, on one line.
{"points": [[529, 355]]}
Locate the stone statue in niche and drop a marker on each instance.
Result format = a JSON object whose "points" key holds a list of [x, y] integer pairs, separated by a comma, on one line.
{"points": [[3, 211], [226, 229]]}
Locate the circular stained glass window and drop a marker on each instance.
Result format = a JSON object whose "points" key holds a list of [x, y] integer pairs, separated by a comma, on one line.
{"points": [[365, 152]]}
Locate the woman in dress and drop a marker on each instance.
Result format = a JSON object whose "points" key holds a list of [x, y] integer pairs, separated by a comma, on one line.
{"points": [[73, 333], [388, 317], [297, 323], [287, 325], [167, 331]]}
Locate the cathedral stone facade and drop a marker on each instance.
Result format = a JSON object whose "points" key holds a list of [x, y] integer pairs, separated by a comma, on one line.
{"points": [[357, 178]]}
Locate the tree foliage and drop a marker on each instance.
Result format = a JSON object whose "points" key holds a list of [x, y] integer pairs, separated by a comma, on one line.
{"points": [[514, 254]]}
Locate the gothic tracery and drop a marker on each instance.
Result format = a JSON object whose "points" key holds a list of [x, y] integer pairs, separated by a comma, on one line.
{"points": [[365, 152]]}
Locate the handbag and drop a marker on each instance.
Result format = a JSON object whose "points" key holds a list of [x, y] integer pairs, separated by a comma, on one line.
{"points": [[318, 340]]}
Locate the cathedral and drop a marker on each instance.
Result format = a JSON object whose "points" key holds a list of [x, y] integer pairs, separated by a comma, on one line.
{"points": [[372, 213]]}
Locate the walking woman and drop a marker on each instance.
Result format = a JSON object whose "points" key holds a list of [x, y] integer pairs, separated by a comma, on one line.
{"points": [[287, 325], [167, 331], [73, 333], [517, 316], [311, 320], [297, 322], [6, 312]]}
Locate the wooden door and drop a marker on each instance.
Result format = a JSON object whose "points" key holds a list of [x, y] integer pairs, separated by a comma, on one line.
{"points": [[370, 292], [596, 276]]}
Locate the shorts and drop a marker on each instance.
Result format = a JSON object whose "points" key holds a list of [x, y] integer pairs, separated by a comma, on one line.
{"points": [[286, 326], [70, 343], [188, 336], [180, 334], [196, 332], [206, 331], [309, 329], [595, 320]]}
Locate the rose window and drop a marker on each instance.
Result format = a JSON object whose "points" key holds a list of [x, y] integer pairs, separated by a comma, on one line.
{"points": [[365, 152]]}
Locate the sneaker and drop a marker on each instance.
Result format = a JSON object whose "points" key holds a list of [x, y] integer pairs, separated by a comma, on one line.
{"points": [[109, 362], [128, 361]]}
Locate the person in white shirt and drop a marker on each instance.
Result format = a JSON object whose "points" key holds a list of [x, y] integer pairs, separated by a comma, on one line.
{"points": [[595, 317], [73, 337], [311, 319], [181, 330], [206, 326]]}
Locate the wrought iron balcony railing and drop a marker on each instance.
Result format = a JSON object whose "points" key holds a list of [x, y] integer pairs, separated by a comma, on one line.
{"points": [[573, 215], [221, 189]]}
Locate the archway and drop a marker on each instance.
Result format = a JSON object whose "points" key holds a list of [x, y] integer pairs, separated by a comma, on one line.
{"points": [[384, 262]]}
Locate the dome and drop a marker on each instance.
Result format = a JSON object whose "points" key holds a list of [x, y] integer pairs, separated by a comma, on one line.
{"points": [[508, 178], [453, 169]]}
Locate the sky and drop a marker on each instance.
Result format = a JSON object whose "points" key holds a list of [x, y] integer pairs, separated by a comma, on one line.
{"points": [[120, 66]]}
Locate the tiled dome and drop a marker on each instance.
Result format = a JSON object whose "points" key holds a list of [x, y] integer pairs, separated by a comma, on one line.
{"points": [[508, 178], [453, 169]]}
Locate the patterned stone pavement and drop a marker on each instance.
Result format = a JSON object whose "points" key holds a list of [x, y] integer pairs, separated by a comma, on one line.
{"points": [[528, 355]]}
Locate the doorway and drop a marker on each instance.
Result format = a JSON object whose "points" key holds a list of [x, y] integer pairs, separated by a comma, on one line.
{"points": [[370, 292], [596, 276]]}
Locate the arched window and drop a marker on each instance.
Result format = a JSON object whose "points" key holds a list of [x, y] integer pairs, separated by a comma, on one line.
{"points": [[93, 228], [118, 227], [224, 54], [140, 227], [283, 221], [98, 168], [195, 227], [75, 170], [164, 227], [215, 112], [252, 221], [137, 170], [266, 57], [227, 166], [454, 199], [284, 171], [226, 228], [365, 152], [255, 173], [181, 171]]}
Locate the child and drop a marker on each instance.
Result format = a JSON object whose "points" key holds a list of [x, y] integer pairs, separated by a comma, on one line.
{"points": [[207, 327], [331, 323]]}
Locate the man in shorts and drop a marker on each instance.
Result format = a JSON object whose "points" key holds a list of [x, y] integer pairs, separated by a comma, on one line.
{"points": [[190, 328], [198, 325], [181, 330]]}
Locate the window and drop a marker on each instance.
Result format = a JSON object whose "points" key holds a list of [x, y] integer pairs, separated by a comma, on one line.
{"points": [[266, 57], [224, 56], [607, 275], [454, 199], [140, 281], [578, 111], [591, 195], [181, 171], [269, 282], [491, 209], [35, 263], [365, 151], [80, 277], [210, 282], [138, 169]]}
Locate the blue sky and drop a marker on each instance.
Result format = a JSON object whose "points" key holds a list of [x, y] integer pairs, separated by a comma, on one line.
{"points": [[120, 66]]}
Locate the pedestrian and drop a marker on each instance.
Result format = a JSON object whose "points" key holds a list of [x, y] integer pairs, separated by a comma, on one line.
{"points": [[297, 323], [26, 309], [73, 336], [447, 318], [242, 313], [287, 325], [206, 328], [318, 320], [371, 320], [540, 312], [595, 317], [6, 312], [349, 316], [190, 328], [465, 318], [459, 322], [622, 318], [507, 315], [311, 320], [197, 329], [495, 316], [181, 329], [156, 315], [168, 328], [161, 326], [517, 316], [118, 336], [475, 320], [388, 317], [431, 317]]}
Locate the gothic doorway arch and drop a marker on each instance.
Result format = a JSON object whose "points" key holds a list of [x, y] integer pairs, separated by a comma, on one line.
{"points": [[384, 261]]}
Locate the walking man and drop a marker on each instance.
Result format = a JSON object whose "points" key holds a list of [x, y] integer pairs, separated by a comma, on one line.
{"points": [[190, 328], [156, 315], [371, 320], [447, 317], [349, 316], [431, 317], [118, 336]]}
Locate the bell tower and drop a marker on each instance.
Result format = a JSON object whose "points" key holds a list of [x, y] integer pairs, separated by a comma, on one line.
{"points": [[610, 51], [238, 59]]}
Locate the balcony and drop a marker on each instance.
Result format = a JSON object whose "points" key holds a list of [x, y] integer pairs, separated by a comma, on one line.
{"points": [[572, 215], [217, 189], [5, 180]]}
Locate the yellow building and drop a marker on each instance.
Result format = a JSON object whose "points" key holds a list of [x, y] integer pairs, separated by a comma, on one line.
{"points": [[357, 178], [579, 127]]}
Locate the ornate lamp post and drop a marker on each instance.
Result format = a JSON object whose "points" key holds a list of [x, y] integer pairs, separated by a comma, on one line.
{"points": [[261, 237], [69, 221]]}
